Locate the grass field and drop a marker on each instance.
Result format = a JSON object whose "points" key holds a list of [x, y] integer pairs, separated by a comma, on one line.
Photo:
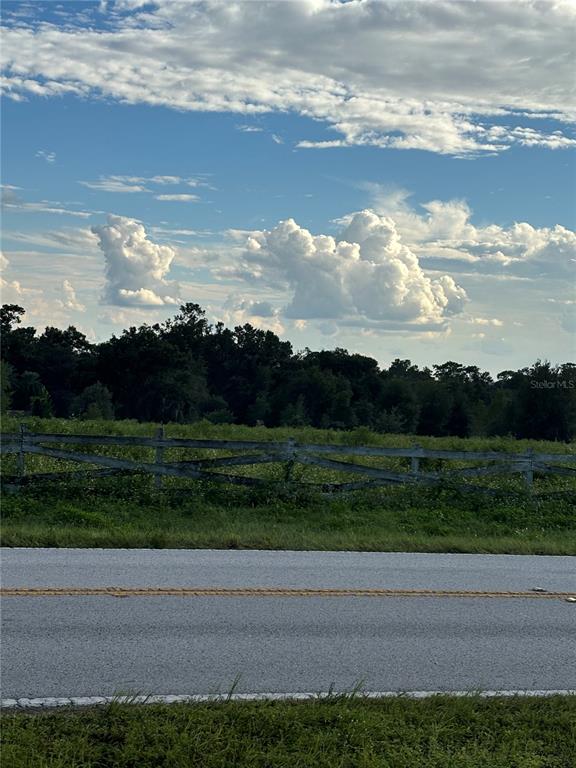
{"points": [[128, 512], [348, 732]]}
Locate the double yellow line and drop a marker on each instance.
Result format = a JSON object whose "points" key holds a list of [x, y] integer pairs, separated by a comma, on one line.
{"points": [[270, 592]]}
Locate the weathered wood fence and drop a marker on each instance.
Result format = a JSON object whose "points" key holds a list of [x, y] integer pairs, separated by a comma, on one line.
{"points": [[288, 454]]}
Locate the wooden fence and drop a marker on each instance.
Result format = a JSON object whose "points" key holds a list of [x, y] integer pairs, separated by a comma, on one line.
{"points": [[288, 454]]}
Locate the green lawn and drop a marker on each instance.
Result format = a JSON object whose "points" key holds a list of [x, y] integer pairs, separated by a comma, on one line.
{"points": [[441, 732], [129, 512]]}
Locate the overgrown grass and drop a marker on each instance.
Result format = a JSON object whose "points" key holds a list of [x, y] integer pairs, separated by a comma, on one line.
{"points": [[441, 732], [127, 511], [390, 519], [205, 429]]}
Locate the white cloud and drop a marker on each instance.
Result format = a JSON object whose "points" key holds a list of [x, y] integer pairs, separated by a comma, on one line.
{"points": [[136, 268], [12, 200], [70, 299], [179, 198], [13, 292], [493, 321], [49, 157], [182, 232], [174, 180], [45, 206], [131, 184], [124, 318], [260, 314], [4, 263], [113, 184], [67, 240], [255, 308], [429, 75], [9, 194], [249, 129], [40, 309], [443, 236], [529, 137], [365, 275]]}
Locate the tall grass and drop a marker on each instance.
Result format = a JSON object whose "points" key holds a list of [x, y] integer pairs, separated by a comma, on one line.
{"points": [[129, 511], [343, 732]]}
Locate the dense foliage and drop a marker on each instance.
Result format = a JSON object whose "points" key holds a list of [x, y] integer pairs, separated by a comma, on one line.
{"points": [[186, 369]]}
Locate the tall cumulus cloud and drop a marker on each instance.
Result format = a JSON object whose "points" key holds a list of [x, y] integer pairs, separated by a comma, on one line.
{"points": [[365, 275], [136, 268]]}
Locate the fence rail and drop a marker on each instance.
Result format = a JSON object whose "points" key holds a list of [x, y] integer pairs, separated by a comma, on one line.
{"points": [[288, 453]]}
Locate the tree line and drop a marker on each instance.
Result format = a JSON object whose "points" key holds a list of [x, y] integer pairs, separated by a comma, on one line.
{"points": [[186, 369]]}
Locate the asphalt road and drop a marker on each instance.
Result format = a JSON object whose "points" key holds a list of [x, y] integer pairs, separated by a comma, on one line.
{"points": [[91, 646]]}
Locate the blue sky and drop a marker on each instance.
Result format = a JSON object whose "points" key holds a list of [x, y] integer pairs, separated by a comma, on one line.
{"points": [[138, 176]]}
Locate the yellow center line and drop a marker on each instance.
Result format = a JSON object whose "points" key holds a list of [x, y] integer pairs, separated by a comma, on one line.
{"points": [[268, 592]]}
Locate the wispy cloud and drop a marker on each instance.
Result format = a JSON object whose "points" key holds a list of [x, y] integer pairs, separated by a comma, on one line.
{"points": [[134, 184], [49, 157], [45, 206], [113, 184], [183, 198], [249, 129]]}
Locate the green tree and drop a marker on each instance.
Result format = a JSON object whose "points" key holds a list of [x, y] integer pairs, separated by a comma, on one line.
{"points": [[94, 402], [29, 388], [41, 404], [459, 421], [172, 395], [435, 404], [6, 383]]}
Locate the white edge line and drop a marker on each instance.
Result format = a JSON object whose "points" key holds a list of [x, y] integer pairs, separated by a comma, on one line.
{"points": [[50, 702]]}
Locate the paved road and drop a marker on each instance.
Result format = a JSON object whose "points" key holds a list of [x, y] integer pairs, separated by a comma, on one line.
{"points": [[89, 646]]}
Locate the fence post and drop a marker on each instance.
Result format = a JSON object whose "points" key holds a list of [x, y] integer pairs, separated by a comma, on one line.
{"points": [[21, 464], [290, 452], [415, 461], [529, 471], [159, 456]]}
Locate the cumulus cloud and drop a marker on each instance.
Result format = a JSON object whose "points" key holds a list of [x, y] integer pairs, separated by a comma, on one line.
{"points": [[13, 291], [365, 275], [42, 308], [442, 234], [260, 314], [70, 300], [136, 268], [411, 74]]}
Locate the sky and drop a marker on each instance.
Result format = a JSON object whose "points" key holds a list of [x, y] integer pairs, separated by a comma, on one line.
{"points": [[397, 178]]}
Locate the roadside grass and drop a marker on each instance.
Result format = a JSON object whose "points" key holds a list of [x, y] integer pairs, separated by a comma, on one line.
{"points": [[127, 511], [338, 732], [204, 516]]}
